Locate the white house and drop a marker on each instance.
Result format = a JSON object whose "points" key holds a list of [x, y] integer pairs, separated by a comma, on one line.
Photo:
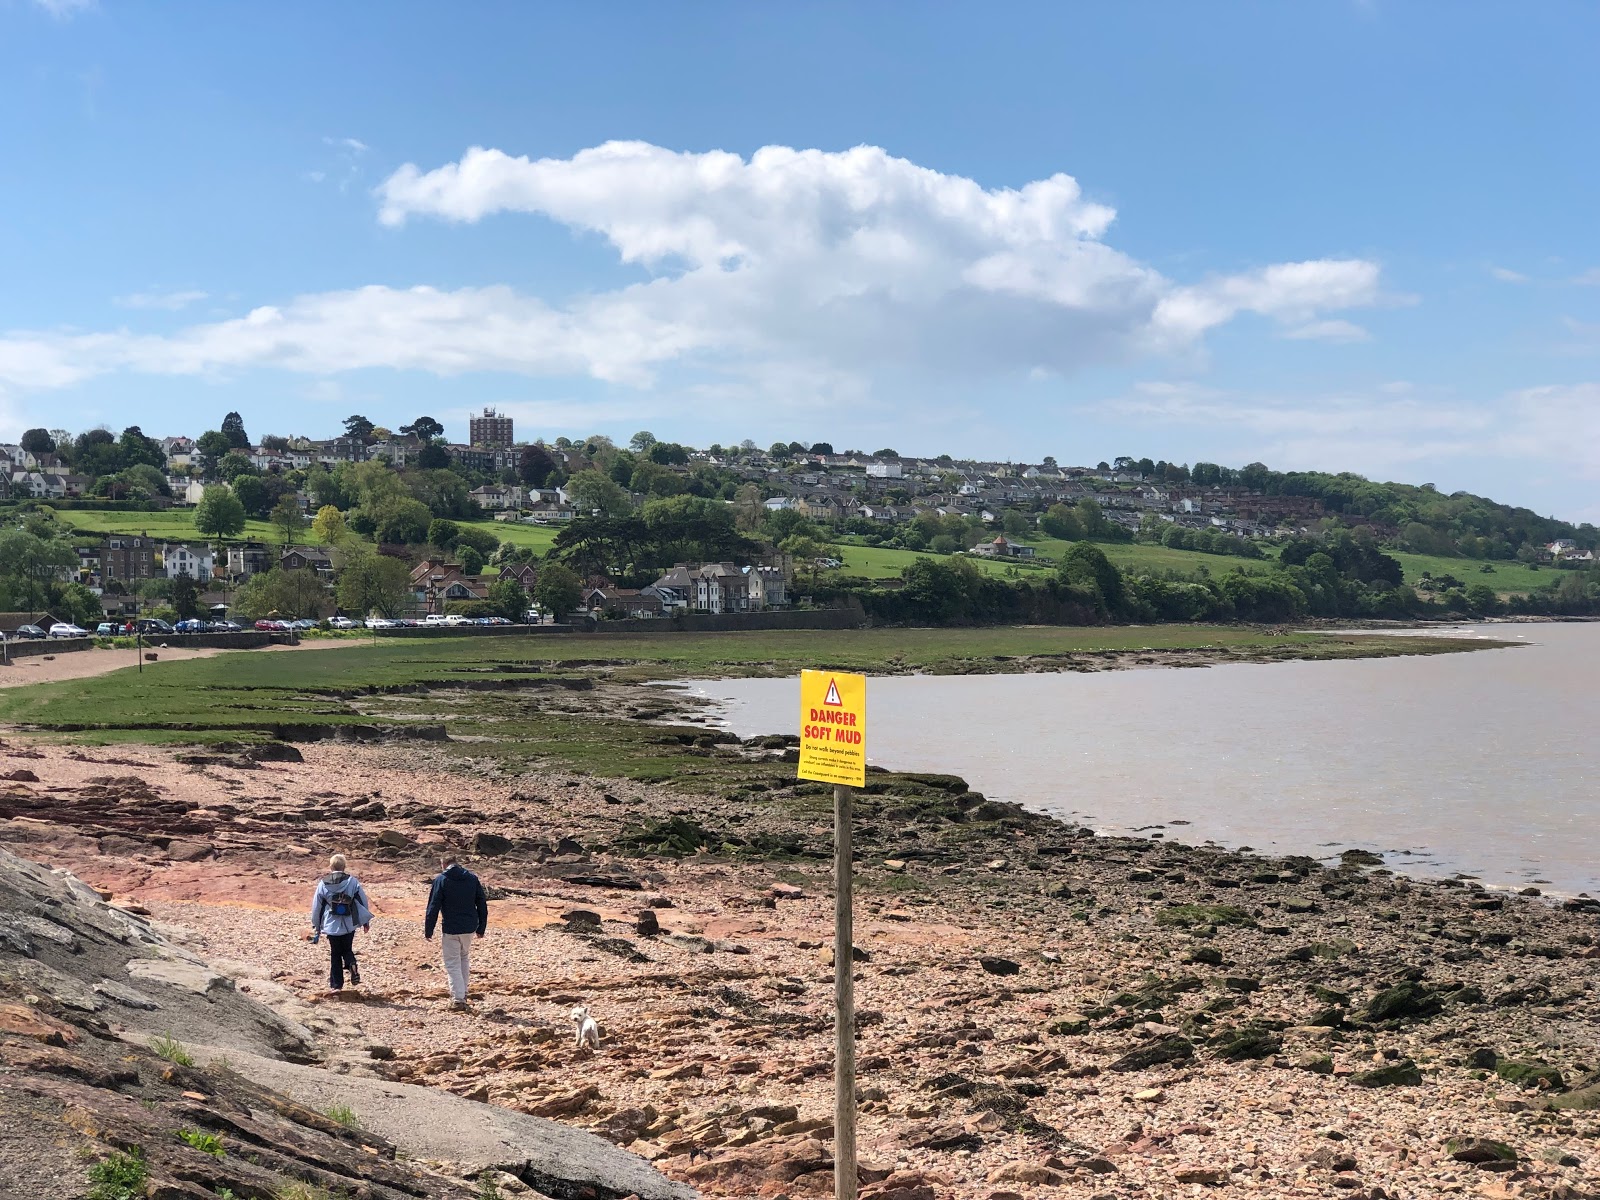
{"points": [[197, 562], [884, 470]]}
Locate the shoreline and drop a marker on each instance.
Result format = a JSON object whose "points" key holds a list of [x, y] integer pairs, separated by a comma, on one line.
{"points": [[1133, 1011]]}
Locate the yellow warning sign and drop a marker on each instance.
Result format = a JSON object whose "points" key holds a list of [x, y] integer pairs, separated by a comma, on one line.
{"points": [[833, 727]]}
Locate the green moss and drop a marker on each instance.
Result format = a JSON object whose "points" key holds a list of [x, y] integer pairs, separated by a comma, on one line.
{"points": [[1184, 916]]}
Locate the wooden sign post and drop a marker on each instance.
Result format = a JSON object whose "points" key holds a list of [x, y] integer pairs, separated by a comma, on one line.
{"points": [[833, 749]]}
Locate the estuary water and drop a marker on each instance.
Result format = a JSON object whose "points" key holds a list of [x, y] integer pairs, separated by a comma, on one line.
{"points": [[1484, 764]]}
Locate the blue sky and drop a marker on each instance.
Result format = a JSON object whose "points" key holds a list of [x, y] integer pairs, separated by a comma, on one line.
{"points": [[1332, 234]]}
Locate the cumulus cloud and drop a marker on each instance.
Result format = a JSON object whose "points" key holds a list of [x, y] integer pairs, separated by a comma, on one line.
{"points": [[839, 265], [1328, 331], [1507, 275], [169, 301]]}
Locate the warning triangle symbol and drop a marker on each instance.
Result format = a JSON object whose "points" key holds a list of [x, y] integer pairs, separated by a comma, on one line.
{"points": [[833, 695]]}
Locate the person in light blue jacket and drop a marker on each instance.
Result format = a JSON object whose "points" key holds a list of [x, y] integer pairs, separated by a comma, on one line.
{"points": [[338, 909]]}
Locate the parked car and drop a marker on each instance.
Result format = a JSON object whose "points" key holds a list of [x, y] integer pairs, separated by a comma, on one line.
{"points": [[302, 623], [149, 625], [226, 627], [65, 629], [381, 623], [193, 625], [344, 623], [267, 625], [108, 629], [497, 620], [455, 619], [30, 632], [433, 619]]}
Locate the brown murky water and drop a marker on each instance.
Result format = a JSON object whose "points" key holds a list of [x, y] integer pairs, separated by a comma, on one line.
{"points": [[1486, 764]]}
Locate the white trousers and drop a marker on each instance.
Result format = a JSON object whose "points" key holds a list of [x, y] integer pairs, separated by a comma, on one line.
{"points": [[457, 949]]}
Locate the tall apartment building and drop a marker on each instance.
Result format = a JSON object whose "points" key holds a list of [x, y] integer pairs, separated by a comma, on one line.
{"points": [[491, 430]]}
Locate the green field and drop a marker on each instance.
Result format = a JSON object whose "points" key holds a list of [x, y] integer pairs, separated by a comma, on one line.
{"points": [[177, 525], [173, 525], [1503, 577], [879, 562], [481, 684]]}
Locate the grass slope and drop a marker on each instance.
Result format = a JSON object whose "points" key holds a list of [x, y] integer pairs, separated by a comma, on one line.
{"points": [[1503, 577], [878, 562], [177, 525]]}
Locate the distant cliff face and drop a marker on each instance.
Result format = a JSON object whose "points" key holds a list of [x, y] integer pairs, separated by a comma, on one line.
{"points": [[102, 1081]]}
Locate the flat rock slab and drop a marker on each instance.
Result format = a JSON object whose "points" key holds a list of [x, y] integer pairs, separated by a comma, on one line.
{"points": [[191, 977], [125, 995], [430, 1124]]}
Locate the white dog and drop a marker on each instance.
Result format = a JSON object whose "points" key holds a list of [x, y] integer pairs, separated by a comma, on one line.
{"points": [[584, 1027]]}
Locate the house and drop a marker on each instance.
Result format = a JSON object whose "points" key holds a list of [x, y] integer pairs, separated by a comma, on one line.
{"points": [[179, 452], [780, 503], [306, 558], [766, 587], [247, 559], [721, 588], [884, 470], [436, 584], [128, 559], [1003, 548], [197, 562], [525, 574], [542, 512], [623, 602], [493, 496]]}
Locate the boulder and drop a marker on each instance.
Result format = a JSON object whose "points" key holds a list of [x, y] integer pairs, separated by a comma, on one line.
{"points": [[1530, 1074], [490, 844], [1167, 1050], [998, 966], [1480, 1151], [646, 923], [394, 839], [1401, 1073], [1248, 1042], [1407, 1001]]}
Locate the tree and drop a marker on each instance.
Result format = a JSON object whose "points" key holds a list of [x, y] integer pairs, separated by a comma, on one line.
{"points": [[558, 590], [747, 508], [288, 518], [433, 457], [95, 454], [209, 449], [508, 599], [805, 551], [484, 541], [38, 441], [328, 526], [641, 442], [885, 454], [1086, 567], [185, 597], [591, 492], [31, 567], [822, 448], [233, 464], [424, 429], [373, 583], [282, 593], [357, 426], [1015, 523], [233, 430], [534, 466], [442, 533], [405, 521], [253, 494], [471, 561], [219, 513]]}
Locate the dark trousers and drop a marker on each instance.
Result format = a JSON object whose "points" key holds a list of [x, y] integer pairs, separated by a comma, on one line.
{"points": [[342, 955]]}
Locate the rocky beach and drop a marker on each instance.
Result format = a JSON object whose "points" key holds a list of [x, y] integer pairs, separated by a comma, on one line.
{"points": [[1043, 1013]]}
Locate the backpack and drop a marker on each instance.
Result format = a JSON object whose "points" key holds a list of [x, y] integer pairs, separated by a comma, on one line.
{"points": [[342, 905]]}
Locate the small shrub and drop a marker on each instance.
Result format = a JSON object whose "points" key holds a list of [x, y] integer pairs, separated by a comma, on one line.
{"points": [[119, 1177], [488, 1189], [343, 1114], [206, 1143], [302, 1191], [171, 1049]]}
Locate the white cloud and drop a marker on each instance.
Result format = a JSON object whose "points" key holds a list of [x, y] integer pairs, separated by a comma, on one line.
{"points": [[793, 264], [1329, 331], [1589, 278], [169, 301], [64, 9], [1506, 275], [353, 145]]}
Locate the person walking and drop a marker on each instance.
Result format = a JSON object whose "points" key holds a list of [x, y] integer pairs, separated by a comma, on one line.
{"points": [[338, 909], [457, 903]]}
